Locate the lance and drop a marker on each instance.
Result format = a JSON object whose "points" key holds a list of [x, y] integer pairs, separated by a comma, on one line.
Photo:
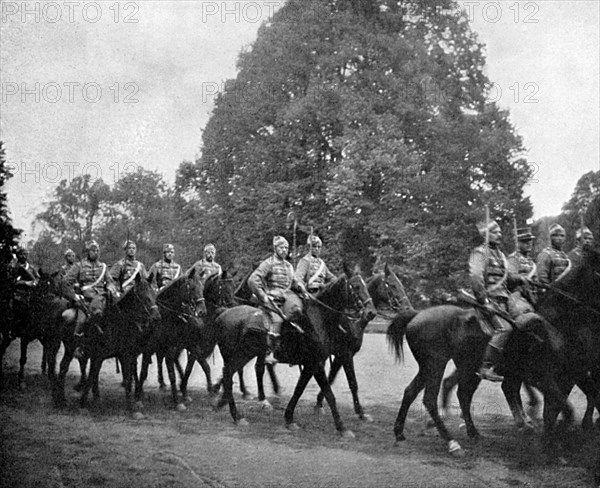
{"points": [[516, 233], [487, 225]]}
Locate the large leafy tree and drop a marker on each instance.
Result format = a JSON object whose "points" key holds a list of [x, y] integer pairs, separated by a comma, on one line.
{"points": [[371, 121]]}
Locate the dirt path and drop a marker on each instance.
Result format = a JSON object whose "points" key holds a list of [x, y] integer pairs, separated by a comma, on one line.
{"points": [[101, 446]]}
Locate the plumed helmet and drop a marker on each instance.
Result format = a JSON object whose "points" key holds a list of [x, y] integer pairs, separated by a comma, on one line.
{"points": [[556, 229], [484, 227], [314, 240], [69, 251], [128, 243], [168, 247], [280, 240], [584, 231], [524, 234], [210, 247], [90, 244]]}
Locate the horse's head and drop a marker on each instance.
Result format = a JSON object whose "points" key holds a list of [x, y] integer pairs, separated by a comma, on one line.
{"points": [[358, 296], [140, 301], [219, 290], [187, 292], [387, 288]]}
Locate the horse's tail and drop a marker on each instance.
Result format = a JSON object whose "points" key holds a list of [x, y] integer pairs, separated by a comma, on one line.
{"points": [[397, 330]]}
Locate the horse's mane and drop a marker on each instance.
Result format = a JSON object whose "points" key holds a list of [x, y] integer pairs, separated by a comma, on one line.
{"points": [[171, 288]]}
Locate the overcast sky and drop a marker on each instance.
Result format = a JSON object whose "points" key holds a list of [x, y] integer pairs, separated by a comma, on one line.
{"points": [[102, 87]]}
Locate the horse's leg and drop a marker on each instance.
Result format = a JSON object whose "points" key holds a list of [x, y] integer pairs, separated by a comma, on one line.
{"points": [[95, 365], [410, 394], [448, 384], [336, 365], [58, 391], [511, 386], [231, 366], [348, 363], [159, 369], [273, 376], [128, 366], [259, 369], [243, 389], [23, 361], [83, 361], [139, 387], [321, 377], [44, 359], [305, 376], [170, 359], [467, 384], [206, 368], [186, 374]]}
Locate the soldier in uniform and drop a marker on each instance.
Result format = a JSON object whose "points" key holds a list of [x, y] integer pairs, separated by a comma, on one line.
{"points": [[312, 271], [490, 279], [207, 265], [552, 262], [125, 270], [88, 282], [521, 263], [585, 241], [23, 277], [70, 259], [272, 283], [166, 270]]}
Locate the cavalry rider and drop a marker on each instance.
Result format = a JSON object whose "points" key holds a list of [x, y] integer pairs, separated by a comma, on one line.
{"points": [[125, 270], [272, 283], [207, 266], [166, 270], [585, 242], [521, 263], [490, 279], [311, 270], [89, 282], [553, 262], [24, 278], [70, 259]]}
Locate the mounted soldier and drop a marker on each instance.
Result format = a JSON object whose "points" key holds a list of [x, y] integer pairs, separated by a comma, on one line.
{"points": [[207, 266], [585, 242], [272, 283], [166, 270], [70, 259], [125, 270], [88, 284], [311, 270], [521, 263], [490, 281], [553, 262], [23, 278]]}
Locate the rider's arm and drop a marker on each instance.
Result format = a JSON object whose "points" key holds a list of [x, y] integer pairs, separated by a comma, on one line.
{"points": [[544, 265], [477, 268], [256, 281], [301, 271]]}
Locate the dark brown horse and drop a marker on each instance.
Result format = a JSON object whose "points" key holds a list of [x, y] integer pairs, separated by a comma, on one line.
{"points": [[180, 326], [387, 292], [306, 339], [122, 331]]}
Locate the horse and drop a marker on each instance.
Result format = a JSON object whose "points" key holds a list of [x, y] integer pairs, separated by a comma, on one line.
{"points": [[307, 339], [182, 307], [121, 332], [218, 295], [386, 290]]}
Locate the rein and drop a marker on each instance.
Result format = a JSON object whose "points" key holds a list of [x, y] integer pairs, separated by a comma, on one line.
{"points": [[570, 296]]}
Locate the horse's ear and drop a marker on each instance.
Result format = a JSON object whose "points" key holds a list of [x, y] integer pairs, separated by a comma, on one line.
{"points": [[386, 269], [357, 270], [138, 278], [192, 273]]}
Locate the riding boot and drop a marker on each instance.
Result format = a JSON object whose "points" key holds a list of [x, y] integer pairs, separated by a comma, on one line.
{"points": [[491, 358], [273, 341]]}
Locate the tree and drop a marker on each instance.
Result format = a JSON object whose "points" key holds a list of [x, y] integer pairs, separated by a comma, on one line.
{"points": [[371, 121]]}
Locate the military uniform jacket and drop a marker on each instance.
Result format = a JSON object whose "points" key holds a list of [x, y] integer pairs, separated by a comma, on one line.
{"points": [[65, 268], [23, 276], [164, 272], [124, 271], [205, 268], [91, 277], [522, 265], [273, 276], [490, 276], [551, 264], [313, 272], [575, 256]]}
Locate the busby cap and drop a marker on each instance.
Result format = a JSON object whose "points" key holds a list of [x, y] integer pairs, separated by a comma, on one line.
{"points": [[90, 244], [168, 247], [583, 231], [128, 243], [210, 247], [280, 241], [69, 251], [556, 229], [524, 234], [484, 227], [313, 240]]}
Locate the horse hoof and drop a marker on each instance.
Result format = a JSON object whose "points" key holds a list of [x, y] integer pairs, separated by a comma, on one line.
{"points": [[138, 416], [266, 405], [293, 427], [455, 450], [242, 423], [319, 410], [367, 418], [181, 407], [347, 434]]}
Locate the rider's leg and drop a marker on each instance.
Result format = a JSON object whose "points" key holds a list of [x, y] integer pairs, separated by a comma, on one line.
{"points": [[493, 352]]}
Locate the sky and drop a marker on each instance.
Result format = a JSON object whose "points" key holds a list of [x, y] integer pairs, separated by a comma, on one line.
{"points": [[103, 87]]}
